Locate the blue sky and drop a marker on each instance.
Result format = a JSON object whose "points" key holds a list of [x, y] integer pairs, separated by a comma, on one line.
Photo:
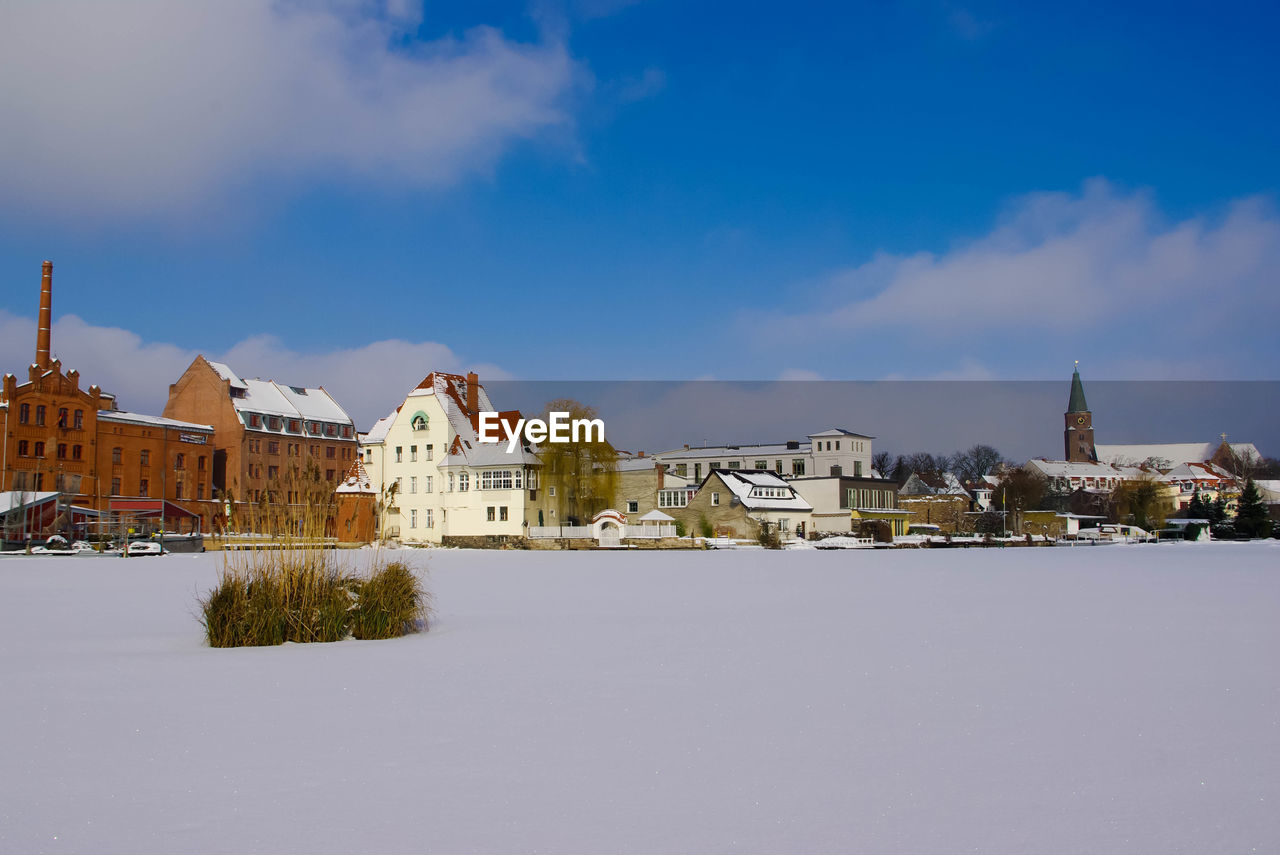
{"points": [[645, 190]]}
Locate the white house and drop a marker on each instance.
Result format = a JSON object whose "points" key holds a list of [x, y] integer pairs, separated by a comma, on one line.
{"points": [[829, 452], [436, 479]]}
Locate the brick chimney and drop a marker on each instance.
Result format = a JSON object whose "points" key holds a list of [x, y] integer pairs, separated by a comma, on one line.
{"points": [[662, 474], [46, 315], [473, 392]]}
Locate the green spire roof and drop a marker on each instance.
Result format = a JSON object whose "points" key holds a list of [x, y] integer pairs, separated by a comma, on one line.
{"points": [[1077, 404]]}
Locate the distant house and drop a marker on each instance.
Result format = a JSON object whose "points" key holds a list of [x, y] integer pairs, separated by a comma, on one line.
{"points": [[1168, 455], [736, 502], [830, 452], [936, 498], [645, 485], [836, 498]]}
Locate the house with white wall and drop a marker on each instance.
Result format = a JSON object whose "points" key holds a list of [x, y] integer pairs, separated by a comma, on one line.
{"points": [[436, 480]]}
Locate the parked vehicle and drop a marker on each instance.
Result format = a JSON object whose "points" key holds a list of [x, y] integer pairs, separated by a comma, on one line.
{"points": [[146, 547]]}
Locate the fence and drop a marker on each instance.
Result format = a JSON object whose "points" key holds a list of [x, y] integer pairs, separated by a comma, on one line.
{"points": [[559, 531]]}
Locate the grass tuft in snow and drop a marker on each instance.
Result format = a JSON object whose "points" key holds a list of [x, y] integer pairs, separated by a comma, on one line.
{"points": [[298, 591]]}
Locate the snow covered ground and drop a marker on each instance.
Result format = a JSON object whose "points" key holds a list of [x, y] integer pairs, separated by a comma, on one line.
{"points": [[1088, 700]]}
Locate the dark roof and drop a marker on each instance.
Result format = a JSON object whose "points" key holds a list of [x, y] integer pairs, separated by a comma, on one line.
{"points": [[1077, 404]]}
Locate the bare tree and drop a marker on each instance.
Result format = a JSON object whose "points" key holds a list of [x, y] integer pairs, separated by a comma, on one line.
{"points": [[979, 460]]}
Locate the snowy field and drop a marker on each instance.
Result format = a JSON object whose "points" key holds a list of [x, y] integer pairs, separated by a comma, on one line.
{"points": [[1121, 699]]}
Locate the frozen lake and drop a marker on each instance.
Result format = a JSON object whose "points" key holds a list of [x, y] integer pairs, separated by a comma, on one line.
{"points": [[1091, 700]]}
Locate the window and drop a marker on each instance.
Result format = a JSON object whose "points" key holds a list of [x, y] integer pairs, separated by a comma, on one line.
{"points": [[328, 474], [200, 463], [498, 479], [200, 490], [399, 454], [63, 416], [143, 487], [62, 451], [502, 513], [330, 430], [115, 486], [714, 464], [177, 490], [330, 453], [273, 472], [313, 428], [273, 447], [671, 498], [777, 466], [413, 454], [551, 491], [39, 414], [413, 484], [24, 448], [697, 472], [426, 484], [715, 499], [797, 466], [857, 468], [274, 422], [180, 460], [633, 507], [431, 518], [39, 447], [413, 518], [144, 457], [837, 445], [346, 431], [450, 482], [255, 420], [24, 414], [399, 486], [464, 482], [78, 422], [531, 480], [735, 464], [489, 513], [293, 425], [762, 464], [427, 452], [419, 422]]}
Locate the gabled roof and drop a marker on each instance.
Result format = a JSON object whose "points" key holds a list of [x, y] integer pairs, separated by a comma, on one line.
{"points": [[933, 484], [357, 480], [153, 421], [742, 482]]}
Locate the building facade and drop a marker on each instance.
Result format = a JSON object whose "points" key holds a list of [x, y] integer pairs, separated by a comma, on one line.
{"points": [[436, 481], [829, 452], [273, 442], [75, 441]]}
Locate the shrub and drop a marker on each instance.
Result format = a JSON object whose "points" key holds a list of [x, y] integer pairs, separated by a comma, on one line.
{"points": [[390, 603], [704, 526], [297, 592], [769, 536]]}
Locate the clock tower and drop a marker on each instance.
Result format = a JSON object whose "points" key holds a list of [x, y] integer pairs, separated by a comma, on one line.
{"points": [[1078, 437]]}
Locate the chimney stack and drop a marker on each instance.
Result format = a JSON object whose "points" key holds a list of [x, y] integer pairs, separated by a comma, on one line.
{"points": [[473, 392], [46, 315]]}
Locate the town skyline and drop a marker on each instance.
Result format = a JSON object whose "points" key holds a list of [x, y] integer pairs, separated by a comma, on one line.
{"points": [[925, 192]]}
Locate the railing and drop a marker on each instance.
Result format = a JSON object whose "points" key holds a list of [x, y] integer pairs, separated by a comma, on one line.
{"points": [[652, 531], [559, 531]]}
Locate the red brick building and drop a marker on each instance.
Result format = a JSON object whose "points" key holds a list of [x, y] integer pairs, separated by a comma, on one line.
{"points": [[263, 431], [76, 441]]}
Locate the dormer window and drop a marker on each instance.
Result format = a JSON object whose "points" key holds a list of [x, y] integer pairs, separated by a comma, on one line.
{"points": [[255, 420]]}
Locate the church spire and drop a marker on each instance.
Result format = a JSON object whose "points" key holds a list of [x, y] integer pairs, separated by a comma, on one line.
{"points": [[1076, 403]]}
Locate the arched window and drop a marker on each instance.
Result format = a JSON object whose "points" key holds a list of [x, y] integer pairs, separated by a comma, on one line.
{"points": [[419, 421], [24, 414]]}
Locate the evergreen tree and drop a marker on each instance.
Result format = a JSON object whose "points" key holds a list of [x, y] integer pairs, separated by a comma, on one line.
{"points": [[1251, 513], [1198, 509]]}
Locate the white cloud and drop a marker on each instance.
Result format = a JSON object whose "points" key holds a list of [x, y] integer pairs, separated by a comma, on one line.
{"points": [[153, 107], [1097, 272], [139, 372]]}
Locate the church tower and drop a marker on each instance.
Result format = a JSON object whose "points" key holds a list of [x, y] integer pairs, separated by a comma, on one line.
{"points": [[1078, 437]]}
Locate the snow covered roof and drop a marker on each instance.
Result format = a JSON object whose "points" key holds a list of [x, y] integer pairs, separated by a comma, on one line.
{"points": [[735, 452], [839, 432], [1173, 452], [14, 499], [151, 421], [1198, 472], [269, 398], [224, 371], [378, 433], [761, 490], [933, 484], [657, 516], [1083, 469], [636, 464], [357, 480]]}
